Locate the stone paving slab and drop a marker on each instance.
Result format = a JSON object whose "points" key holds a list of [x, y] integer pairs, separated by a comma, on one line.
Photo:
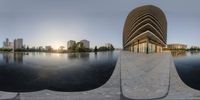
{"points": [[7, 95], [145, 76], [109, 91]]}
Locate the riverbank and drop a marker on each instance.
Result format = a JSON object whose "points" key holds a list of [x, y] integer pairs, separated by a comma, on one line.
{"points": [[54, 51]]}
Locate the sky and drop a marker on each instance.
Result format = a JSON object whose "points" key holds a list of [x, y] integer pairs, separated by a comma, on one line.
{"points": [[54, 22]]}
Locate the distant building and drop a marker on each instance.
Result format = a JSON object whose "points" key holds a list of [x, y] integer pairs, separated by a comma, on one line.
{"points": [[176, 46], [7, 44], [70, 43], [86, 43], [33, 48], [18, 43], [48, 48], [109, 45], [40, 48], [195, 47]]}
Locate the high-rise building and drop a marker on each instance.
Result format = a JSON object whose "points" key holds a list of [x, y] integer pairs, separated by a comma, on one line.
{"points": [[145, 30], [70, 43], [18, 43], [7, 44], [86, 43]]}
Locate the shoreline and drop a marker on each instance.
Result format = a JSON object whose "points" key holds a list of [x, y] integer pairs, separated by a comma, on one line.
{"points": [[54, 52]]}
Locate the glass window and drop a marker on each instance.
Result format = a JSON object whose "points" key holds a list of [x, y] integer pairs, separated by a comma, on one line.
{"points": [[142, 47], [135, 48], [151, 48]]}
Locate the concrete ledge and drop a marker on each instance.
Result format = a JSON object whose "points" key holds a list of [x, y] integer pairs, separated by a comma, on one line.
{"points": [[7, 95], [109, 91], [145, 76]]}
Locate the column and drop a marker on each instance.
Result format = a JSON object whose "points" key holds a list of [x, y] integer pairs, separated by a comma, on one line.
{"points": [[147, 51], [138, 47], [131, 48], [155, 48]]}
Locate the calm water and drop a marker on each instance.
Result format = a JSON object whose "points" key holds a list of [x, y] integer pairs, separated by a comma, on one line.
{"points": [[25, 72], [188, 67]]}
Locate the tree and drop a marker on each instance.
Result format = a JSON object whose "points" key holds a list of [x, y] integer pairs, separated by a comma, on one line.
{"points": [[103, 48], [5, 49], [72, 48], [61, 47], [27, 48], [95, 49], [111, 48], [78, 47]]}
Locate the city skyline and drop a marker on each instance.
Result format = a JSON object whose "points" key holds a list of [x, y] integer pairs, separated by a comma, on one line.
{"points": [[42, 23], [18, 44], [7, 43]]}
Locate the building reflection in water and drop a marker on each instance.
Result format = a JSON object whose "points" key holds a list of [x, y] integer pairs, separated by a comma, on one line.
{"points": [[91, 56], [72, 55], [95, 55], [194, 52], [84, 56], [8, 58], [18, 57], [13, 58], [70, 72], [178, 53]]}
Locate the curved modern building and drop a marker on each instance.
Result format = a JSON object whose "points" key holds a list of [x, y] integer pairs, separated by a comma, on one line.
{"points": [[145, 30]]}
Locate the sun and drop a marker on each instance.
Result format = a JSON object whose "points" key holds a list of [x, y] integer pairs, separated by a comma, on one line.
{"points": [[56, 45]]}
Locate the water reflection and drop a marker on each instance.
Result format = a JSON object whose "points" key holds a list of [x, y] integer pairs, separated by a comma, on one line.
{"points": [[195, 52], [24, 72], [13, 57], [178, 53], [188, 67], [79, 56]]}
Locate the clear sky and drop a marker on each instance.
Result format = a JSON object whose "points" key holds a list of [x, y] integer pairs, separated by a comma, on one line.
{"points": [[54, 22]]}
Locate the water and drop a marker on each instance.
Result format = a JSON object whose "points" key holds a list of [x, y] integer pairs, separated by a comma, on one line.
{"points": [[27, 72], [188, 67]]}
